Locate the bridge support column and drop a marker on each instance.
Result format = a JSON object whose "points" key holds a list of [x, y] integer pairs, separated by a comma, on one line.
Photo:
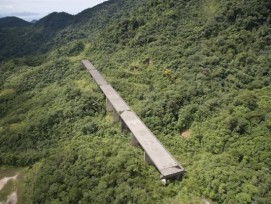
{"points": [[116, 116], [134, 141], [147, 159], [109, 106], [178, 177], [123, 126]]}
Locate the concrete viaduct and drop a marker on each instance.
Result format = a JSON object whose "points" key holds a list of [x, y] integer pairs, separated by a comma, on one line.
{"points": [[154, 152]]}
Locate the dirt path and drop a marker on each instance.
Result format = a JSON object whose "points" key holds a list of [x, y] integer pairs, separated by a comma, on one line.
{"points": [[206, 201], [4, 181], [12, 198]]}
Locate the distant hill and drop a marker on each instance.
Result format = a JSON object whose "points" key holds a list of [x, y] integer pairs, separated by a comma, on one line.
{"points": [[58, 28], [34, 21], [12, 22], [31, 37], [55, 20]]}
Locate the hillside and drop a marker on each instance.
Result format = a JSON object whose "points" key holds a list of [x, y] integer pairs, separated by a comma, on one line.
{"points": [[199, 67]]}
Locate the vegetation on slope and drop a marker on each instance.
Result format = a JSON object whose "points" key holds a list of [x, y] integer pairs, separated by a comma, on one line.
{"points": [[202, 66]]}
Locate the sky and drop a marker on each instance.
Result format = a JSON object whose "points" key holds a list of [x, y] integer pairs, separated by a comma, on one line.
{"points": [[36, 9]]}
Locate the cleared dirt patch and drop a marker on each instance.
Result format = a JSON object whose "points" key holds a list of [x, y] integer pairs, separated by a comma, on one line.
{"points": [[11, 180], [12, 199], [186, 133], [206, 201], [5, 180]]}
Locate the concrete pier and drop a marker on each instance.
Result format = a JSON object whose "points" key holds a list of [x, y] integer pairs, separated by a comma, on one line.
{"points": [[109, 107], [134, 141], [147, 159]]}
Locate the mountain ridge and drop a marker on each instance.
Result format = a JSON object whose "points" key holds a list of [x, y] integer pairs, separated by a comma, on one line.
{"points": [[13, 21], [53, 24], [55, 20]]}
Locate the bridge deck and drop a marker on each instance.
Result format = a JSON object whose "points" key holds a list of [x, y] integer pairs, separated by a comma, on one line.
{"points": [[158, 154], [115, 99], [94, 73], [88, 65], [154, 150], [98, 77]]}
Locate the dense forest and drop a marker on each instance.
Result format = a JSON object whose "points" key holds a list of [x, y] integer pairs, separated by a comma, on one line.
{"points": [[199, 67]]}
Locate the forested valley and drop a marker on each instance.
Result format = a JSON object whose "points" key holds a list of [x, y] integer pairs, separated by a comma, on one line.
{"points": [[197, 72]]}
